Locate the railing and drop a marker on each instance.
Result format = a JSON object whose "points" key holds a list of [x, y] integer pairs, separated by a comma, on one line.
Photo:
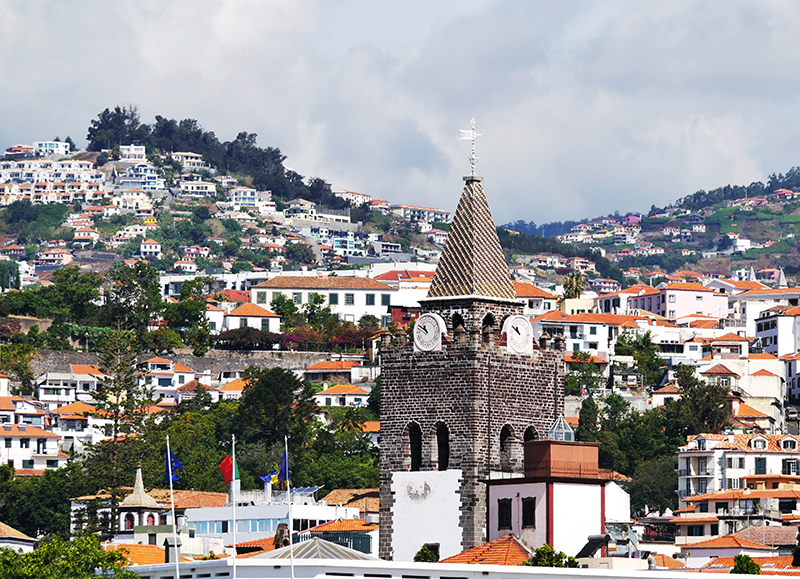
{"points": [[567, 468], [708, 471], [358, 541]]}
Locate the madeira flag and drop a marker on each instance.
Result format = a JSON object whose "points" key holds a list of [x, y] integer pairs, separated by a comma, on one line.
{"points": [[230, 471]]}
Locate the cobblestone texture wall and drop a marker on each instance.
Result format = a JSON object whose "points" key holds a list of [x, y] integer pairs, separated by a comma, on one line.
{"points": [[476, 389]]}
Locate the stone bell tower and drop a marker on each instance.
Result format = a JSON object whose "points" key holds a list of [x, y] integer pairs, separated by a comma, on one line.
{"points": [[458, 400]]}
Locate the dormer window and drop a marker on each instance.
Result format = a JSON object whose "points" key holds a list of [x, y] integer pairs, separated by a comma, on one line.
{"points": [[789, 444], [701, 444], [759, 443]]}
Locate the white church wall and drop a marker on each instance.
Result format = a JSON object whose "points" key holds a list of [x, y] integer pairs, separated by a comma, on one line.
{"points": [[426, 509]]}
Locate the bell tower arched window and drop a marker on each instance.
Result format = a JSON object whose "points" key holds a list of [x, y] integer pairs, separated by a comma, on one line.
{"points": [[443, 446]]}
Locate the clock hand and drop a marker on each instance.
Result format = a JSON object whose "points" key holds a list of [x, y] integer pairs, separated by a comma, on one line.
{"points": [[425, 329], [516, 329]]}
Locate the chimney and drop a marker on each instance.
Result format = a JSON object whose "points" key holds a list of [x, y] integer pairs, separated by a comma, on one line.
{"points": [[172, 550]]}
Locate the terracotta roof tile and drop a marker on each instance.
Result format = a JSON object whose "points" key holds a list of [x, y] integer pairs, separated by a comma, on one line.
{"points": [[730, 337], [85, 369], [252, 311], [336, 282], [346, 526], [9, 531], [139, 554], [747, 411], [507, 550], [729, 542], [366, 500], [333, 365], [178, 367], [6, 404], [719, 370], [764, 373], [371, 426], [237, 385], [528, 290], [344, 389], [472, 262]]}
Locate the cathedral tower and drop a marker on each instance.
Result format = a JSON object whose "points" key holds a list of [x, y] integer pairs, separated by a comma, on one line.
{"points": [[458, 400]]}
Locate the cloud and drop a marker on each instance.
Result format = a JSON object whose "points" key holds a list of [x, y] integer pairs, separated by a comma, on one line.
{"points": [[588, 107]]}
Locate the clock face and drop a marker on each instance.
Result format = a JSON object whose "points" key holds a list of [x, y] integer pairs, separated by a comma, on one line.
{"points": [[427, 333], [519, 335]]}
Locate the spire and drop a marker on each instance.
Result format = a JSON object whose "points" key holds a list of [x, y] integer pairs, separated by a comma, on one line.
{"points": [[139, 498], [751, 276], [472, 262], [782, 280]]}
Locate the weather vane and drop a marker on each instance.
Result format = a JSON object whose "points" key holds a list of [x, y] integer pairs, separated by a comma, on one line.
{"points": [[471, 135]]}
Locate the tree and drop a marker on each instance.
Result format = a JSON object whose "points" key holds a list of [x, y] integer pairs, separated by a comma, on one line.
{"points": [[653, 485], [200, 339], [645, 353], [315, 311], [425, 555], [587, 421], [374, 400], [121, 401], [546, 556], [587, 375], [81, 558], [744, 565], [369, 322], [121, 126], [615, 408], [286, 309], [574, 285], [700, 408], [275, 404], [134, 296], [163, 341], [72, 146], [299, 253]]}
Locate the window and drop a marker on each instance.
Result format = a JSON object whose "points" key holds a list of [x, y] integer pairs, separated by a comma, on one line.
{"points": [[349, 299], [529, 512], [8, 443], [327, 402], [504, 513], [593, 330], [715, 528], [789, 444], [721, 507], [759, 443], [736, 462], [297, 298], [695, 530], [27, 463], [671, 298], [672, 314], [52, 463], [265, 324], [698, 298], [415, 446], [443, 446], [25, 443], [386, 299], [761, 465], [212, 326], [370, 299], [181, 379], [261, 297], [242, 322], [592, 345], [333, 299]]}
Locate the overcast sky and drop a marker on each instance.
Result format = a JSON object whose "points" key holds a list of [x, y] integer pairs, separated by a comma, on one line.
{"points": [[587, 107]]}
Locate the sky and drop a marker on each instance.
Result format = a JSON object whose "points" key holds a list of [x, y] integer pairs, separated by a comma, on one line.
{"points": [[587, 107]]}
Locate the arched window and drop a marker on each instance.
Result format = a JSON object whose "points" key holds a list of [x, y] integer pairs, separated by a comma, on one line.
{"points": [[530, 434], [151, 520], [129, 520], [505, 433], [415, 445], [443, 446], [487, 327], [508, 448]]}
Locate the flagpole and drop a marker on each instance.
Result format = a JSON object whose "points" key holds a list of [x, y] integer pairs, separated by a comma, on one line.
{"points": [[233, 493], [289, 492], [174, 520]]}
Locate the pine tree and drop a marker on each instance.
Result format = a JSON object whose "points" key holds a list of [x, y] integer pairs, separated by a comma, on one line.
{"points": [[587, 421]]}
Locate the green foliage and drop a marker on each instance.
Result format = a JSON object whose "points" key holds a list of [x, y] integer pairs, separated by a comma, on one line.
{"points": [[81, 558], [587, 421], [645, 353], [113, 128], [546, 556], [425, 555], [134, 298], [162, 341], [653, 485], [584, 374], [299, 253], [374, 400], [274, 405], [200, 339], [315, 311], [701, 407], [369, 322], [744, 565], [574, 285], [15, 360], [30, 222]]}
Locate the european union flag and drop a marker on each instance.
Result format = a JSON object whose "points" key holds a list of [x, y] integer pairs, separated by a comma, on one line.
{"points": [[173, 462], [283, 472]]}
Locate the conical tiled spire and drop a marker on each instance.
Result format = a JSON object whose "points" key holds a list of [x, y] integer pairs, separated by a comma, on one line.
{"points": [[782, 280], [472, 263]]}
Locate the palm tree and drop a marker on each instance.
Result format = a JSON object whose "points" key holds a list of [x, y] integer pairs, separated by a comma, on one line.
{"points": [[574, 285]]}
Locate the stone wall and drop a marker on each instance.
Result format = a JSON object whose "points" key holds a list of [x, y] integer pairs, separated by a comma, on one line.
{"points": [[215, 360], [475, 389]]}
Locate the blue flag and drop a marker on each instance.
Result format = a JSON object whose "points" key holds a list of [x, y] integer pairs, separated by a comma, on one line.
{"points": [[270, 478], [172, 461], [283, 472]]}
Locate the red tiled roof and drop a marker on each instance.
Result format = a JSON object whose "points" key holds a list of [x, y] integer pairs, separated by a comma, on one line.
{"points": [[747, 411], [178, 367], [137, 554], [665, 561], [764, 373], [158, 360], [194, 386], [252, 311], [528, 290], [346, 525], [366, 500], [729, 542], [668, 389], [507, 550], [237, 385], [344, 389], [730, 337], [719, 370], [571, 359], [6, 404], [371, 426], [30, 431], [334, 365], [336, 282], [85, 369]]}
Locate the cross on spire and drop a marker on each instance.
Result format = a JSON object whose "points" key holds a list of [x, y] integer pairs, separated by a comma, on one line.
{"points": [[471, 135]]}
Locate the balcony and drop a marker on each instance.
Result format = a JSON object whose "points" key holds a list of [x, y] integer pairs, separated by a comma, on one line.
{"points": [[708, 471]]}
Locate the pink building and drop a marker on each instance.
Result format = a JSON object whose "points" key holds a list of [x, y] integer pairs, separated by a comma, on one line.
{"points": [[678, 299]]}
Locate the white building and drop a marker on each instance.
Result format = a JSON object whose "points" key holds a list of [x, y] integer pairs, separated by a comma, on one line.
{"points": [[342, 395], [132, 153], [150, 249], [348, 297], [30, 450], [47, 148], [253, 316]]}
